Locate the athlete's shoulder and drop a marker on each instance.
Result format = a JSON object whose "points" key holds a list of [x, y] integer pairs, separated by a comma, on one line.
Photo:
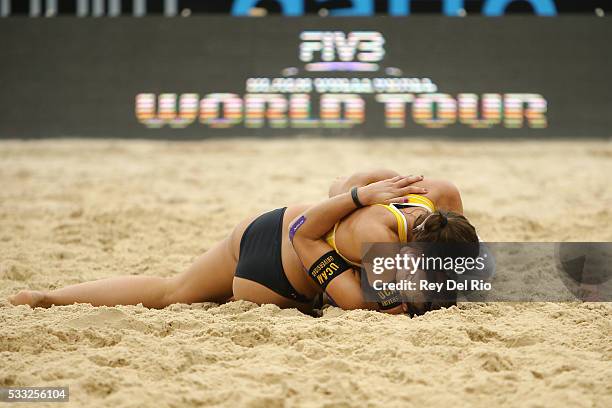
{"points": [[377, 225], [448, 195]]}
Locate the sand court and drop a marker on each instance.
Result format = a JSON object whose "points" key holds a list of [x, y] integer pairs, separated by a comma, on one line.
{"points": [[76, 210]]}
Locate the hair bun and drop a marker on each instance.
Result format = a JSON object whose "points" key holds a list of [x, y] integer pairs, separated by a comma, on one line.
{"points": [[444, 221]]}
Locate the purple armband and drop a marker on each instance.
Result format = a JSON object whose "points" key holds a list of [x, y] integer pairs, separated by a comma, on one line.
{"points": [[295, 226]]}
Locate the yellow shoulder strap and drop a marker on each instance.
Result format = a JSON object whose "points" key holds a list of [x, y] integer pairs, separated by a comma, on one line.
{"points": [[417, 200]]}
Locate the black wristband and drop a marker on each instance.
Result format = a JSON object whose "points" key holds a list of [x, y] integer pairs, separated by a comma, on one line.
{"points": [[356, 197]]}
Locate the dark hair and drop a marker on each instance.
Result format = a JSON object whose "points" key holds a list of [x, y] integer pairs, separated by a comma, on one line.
{"points": [[444, 227]]}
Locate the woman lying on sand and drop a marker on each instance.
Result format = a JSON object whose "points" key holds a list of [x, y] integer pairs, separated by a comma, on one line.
{"points": [[275, 257]]}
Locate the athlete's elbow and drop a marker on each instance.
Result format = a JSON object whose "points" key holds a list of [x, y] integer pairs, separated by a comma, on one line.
{"points": [[336, 187], [375, 175]]}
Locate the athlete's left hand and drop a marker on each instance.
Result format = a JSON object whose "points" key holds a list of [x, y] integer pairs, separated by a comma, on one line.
{"points": [[391, 190]]}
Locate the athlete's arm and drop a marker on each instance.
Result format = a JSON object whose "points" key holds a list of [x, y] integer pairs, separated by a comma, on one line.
{"points": [[343, 285], [344, 184], [315, 222]]}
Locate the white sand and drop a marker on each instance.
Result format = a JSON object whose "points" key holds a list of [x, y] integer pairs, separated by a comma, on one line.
{"points": [[72, 211]]}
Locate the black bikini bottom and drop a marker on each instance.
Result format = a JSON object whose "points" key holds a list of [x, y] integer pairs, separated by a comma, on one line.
{"points": [[260, 255]]}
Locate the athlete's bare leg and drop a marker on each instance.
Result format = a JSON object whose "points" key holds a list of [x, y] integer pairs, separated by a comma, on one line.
{"points": [[208, 279]]}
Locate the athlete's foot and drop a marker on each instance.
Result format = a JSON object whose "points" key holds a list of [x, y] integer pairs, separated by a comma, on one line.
{"points": [[32, 298]]}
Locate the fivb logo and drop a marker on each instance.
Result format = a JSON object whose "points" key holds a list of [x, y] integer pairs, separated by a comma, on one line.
{"points": [[337, 51]]}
